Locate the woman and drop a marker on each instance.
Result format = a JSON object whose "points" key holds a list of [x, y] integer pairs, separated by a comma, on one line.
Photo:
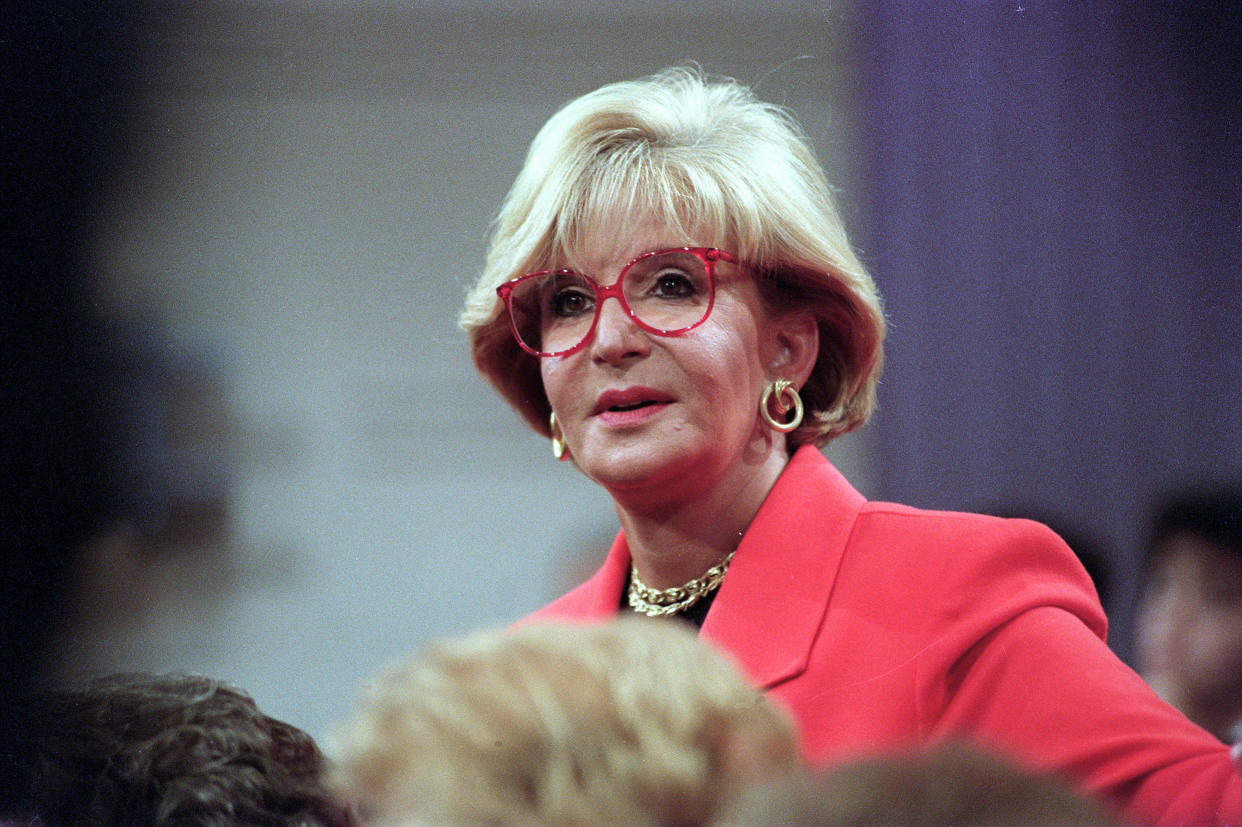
{"points": [[670, 297]]}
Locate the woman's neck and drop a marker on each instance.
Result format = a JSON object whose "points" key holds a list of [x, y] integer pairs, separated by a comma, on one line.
{"points": [[676, 537]]}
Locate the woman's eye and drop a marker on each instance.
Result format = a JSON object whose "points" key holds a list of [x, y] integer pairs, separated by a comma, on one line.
{"points": [[673, 284], [571, 302]]}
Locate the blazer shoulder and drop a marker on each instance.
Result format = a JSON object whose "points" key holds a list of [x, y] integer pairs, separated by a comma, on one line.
{"points": [[979, 558], [958, 528]]}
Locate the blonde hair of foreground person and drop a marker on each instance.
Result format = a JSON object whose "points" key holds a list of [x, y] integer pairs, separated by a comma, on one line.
{"points": [[955, 784], [632, 721], [717, 166]]}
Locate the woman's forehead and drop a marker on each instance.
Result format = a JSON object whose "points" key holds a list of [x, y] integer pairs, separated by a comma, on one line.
{"points": [[612, 242]]}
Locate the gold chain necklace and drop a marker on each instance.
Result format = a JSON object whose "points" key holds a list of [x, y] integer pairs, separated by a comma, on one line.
{"points": [[660, 602]]}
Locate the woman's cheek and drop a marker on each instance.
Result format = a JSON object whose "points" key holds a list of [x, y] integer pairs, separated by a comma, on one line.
{"points": [[552, 371]]}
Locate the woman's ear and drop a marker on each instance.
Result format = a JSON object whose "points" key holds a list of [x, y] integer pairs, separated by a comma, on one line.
{"points": [[795, 346]]}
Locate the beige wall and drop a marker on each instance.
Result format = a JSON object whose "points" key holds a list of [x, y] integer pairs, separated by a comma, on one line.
{"points": [[305, 194]]}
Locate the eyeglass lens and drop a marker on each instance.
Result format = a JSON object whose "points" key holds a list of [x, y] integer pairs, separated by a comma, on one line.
{"points": [[667, 292]]}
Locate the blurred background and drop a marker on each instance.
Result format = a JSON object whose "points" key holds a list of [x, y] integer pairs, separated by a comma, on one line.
{"points": [[270, 235]]}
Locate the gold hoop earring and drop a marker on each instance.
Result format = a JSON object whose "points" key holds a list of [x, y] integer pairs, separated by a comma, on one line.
{"points": [[559, 449], [786, 398]]}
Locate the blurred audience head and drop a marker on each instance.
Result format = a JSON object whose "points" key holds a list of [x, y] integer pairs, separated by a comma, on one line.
{"points": [[628, 722], [953, 785], [1188, 625], [159, 751]]}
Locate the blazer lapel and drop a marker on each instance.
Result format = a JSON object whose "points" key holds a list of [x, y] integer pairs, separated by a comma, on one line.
{"points": [[772, 602]]}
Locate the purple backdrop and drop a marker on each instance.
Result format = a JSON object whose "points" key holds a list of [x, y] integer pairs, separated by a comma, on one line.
{"points": [[1051, 209]]}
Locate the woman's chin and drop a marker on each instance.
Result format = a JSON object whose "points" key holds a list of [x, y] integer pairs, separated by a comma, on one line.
{"points": [[635, 464]]}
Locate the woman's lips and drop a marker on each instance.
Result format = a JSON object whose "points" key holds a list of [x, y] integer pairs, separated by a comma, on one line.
{"points": [[629, 405], [630, 415]]}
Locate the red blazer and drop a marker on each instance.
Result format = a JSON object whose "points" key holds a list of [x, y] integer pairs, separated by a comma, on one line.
{"points": [[879, 626]]}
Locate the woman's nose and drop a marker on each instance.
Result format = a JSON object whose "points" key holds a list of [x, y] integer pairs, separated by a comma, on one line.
{"points": [[617, 337]]}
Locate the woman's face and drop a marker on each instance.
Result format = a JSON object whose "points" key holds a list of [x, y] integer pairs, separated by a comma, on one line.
{"points": [[639, 410], [1189, 630]]}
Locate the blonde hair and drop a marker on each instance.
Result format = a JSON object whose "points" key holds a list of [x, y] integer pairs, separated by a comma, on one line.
{"points": [[712, 162], [626, 722]]}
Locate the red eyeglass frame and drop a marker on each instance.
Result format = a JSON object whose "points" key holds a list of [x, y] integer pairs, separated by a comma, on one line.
{"points": [[708, 255]]}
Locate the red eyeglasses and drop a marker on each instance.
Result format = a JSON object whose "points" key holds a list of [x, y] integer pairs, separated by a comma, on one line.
{"points": [[666, 292]]}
